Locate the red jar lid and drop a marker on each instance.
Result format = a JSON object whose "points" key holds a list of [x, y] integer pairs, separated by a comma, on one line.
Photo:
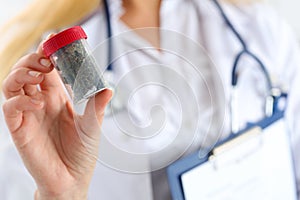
{"points": [[63, 39]]}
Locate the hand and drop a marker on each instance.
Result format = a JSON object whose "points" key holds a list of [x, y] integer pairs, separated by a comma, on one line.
{"points": [[59, 153]]}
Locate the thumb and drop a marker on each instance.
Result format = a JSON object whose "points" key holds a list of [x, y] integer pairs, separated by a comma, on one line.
{"points": [[90, 122], [96, 106]]}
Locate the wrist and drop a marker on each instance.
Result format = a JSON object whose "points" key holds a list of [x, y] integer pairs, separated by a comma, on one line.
{"points": [[63, 190], [74, 195]]}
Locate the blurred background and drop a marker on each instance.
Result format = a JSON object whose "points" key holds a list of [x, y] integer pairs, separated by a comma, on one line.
{"points": [[289, 9], [9, 8]]}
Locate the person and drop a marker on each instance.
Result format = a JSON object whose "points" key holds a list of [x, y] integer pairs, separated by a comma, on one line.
{"points": [[59, 147]]}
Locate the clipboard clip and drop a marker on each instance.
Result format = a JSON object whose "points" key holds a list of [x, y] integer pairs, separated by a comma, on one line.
{"points": [[236, 149]]}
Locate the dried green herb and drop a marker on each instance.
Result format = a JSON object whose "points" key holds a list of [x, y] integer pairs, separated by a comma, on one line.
{"points": [[79, 70]]}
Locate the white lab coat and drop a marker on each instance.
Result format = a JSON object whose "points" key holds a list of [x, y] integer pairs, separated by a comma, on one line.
{"points": [[181, 90]]}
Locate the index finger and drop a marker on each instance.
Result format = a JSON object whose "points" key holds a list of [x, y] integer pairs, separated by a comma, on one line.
{"points": [[52, 79]]}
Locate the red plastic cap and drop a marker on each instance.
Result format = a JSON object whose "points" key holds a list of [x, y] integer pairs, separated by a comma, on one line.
{"points": [[63, 39]]}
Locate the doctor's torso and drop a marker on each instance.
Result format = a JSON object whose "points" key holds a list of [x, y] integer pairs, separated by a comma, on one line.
{"points": [[173, 101]]}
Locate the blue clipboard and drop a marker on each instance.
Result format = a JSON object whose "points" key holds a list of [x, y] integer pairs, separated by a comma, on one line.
{"points": [[180, 167]]}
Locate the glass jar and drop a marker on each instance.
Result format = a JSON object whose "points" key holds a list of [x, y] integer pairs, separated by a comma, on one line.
{"points": [[70, 54]]}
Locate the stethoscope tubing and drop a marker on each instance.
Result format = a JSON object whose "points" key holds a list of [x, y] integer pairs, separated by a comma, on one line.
{"points": [[245, 51], [109, 34], [234, 75]]}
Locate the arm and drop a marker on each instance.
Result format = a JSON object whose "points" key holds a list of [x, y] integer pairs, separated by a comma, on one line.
{"points": [[289, 62]]}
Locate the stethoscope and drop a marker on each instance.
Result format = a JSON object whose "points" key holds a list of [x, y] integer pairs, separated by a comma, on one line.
{"points": [[273, 93]]}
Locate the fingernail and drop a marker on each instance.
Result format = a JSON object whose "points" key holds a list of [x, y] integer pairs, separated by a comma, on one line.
{"points": [[45, 62], [112, 93], [36, 102], [34, 73], [50, 35]]}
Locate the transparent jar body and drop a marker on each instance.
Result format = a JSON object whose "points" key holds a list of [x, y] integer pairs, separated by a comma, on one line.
{"points": [[78, 70]]}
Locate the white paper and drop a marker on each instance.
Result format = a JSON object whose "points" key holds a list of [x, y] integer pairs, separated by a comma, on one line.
{"points": [[260, 168]]}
